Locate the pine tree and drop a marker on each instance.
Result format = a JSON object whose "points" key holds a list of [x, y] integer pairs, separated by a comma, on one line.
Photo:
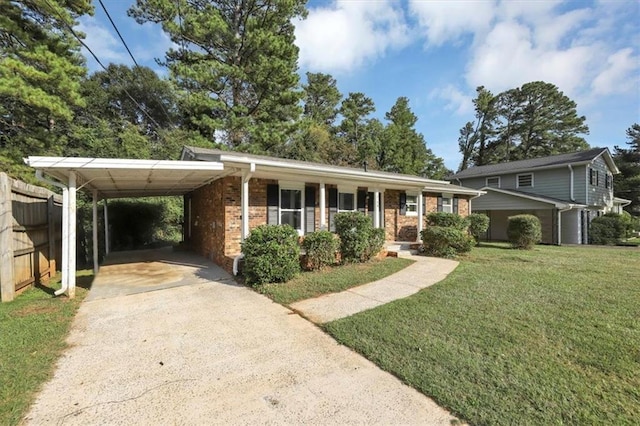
{"points": [[236, 64], [321, 98], [627, 183]]}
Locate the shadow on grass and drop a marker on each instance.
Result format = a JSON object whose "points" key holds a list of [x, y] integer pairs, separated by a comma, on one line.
{"points": [[82, 281]]}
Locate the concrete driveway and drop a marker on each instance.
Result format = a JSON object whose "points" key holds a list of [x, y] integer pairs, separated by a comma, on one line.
{"points": [[169, 338]]}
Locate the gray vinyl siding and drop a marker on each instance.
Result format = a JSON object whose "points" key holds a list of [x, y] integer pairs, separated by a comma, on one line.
{"points": [[475, 183], [580, 183], [599, 195], [498, 201]]}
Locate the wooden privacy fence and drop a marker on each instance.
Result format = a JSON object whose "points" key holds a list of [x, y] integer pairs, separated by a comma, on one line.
{"points": [[30, 235]]}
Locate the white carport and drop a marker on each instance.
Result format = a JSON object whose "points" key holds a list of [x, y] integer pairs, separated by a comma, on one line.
{"points": [[108, 178]]}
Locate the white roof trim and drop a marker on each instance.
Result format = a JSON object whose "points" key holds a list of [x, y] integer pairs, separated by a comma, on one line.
{"points": [[622, 201], [79, 163], [557, 204]]}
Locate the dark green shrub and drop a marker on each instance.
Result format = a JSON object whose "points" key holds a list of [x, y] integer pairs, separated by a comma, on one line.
{"points": [[359, 241], [609, 229], [441, 241], [321, 248], [478, 225], [524, 231], [447, 220], [271, 254]]}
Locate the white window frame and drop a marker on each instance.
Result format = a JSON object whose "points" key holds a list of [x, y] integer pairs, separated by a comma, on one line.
{"points": [[413, 203], [486, 182], [348, 190], [447, 208], [291, 186], [518, 180]]}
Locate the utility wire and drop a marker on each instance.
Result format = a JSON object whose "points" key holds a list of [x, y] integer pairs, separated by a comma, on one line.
{"points": [[113, 24], [70, 28]]}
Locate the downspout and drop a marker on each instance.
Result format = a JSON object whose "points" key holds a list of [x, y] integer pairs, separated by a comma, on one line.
{"points": [[571, 196], [473, 198], [65, 230]]}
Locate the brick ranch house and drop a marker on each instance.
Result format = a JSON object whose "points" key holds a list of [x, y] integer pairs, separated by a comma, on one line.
{"points": [[256, 190]]}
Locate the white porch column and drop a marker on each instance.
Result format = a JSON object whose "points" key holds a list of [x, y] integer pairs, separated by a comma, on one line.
{"points": [[107, 246], [71, 291], [244, 201], [420, 214], [382, 224], [95, 231], [323, 212], [376, 209], [65, 242]]}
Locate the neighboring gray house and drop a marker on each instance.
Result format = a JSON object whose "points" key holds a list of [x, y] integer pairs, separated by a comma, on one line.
{"points": [[564, 191]]}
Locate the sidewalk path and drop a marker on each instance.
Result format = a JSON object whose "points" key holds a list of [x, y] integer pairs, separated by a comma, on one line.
{"points": [[424, 273]]}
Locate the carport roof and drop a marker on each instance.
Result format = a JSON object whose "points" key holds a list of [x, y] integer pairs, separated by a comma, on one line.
{"points": [[119, 178]]}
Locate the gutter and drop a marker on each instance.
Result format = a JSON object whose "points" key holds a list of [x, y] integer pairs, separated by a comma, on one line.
{"points": [[65, 230]]}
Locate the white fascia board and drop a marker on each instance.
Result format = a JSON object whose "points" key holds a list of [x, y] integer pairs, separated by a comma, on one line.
{"points": [[79, 163]]}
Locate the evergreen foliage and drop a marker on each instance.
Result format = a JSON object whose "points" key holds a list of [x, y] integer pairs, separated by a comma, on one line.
{"points": [[524, 231], [445, 241], [478, 225], [609, 229], [321, 248], [627, 184], [359, 240], [271, 254]]}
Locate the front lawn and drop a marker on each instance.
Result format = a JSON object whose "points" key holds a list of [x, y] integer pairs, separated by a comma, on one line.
{"points": [[547, 336], [33, 329], [332, 280]]}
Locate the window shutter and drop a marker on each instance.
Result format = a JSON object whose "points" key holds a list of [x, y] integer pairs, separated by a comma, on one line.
{"points": [[403, 203], [362, 200], [370, 201], [273, 199], [333, 207], [439, 204], [309, 209], [455, 205]]}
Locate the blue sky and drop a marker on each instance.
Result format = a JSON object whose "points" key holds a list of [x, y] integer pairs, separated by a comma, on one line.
{"points": [[437, 52]]}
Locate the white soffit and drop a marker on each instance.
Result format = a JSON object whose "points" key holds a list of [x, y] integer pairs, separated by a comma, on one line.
{"points": [[119, 178]]}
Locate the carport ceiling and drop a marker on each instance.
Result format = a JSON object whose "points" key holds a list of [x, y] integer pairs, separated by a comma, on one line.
{"points": [[119, 178]]}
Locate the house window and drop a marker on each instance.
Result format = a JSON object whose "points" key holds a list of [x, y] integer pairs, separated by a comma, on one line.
{"points": [[412, 205], [445, 204], [346, 201], [525, 180], [291, 208], [594, 177], [493, 182], [608, 181]]}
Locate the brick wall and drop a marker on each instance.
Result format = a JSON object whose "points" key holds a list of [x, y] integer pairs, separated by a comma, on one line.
{"points": [[398, 227], [207, 221]]}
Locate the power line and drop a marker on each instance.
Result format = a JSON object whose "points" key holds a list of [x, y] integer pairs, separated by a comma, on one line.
{"points": [[70, 28]]}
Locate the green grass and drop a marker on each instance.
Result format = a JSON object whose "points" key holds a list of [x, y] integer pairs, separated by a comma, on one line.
{"points": [[548, 336], [632, 241], [33, 329], [332, 280]]}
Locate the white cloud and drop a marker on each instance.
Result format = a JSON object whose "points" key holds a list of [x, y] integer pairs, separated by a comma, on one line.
{"points": [[455, 99], [444, 21], [346, 34], [101, 42], [620, 74]]}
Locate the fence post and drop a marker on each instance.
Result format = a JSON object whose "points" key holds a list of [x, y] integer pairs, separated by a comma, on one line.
{"points": [[7, 285]]}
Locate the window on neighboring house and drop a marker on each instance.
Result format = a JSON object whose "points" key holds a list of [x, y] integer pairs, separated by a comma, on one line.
{"points": [[493, 182], [525, 180], [291, 208], [412, 205], [594, 177], [608, 180], [346, 201]]}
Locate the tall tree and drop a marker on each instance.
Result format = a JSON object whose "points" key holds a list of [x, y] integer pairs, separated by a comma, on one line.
{"points": [[40, 71], [405, 149], [321, 98], [627, 183], [236, 63], [354, 110], [534, 120], [466, 145]]}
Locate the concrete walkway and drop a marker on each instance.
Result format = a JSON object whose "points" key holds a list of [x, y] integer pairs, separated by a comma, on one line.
{"points": [[169, 338], [424, 273]]}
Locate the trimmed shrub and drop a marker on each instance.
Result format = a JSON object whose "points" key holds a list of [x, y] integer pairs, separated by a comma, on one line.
{"points": [[478, 225], [447, 220], [359, 241], [524, 231], [609, 229], [321, 248], [441, 241], [271, 254]]}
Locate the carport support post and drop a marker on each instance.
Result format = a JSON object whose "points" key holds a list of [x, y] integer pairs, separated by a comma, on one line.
{"points": [[71, 291], [95, 231], [107, 247], [376, 209], [323, 213], [244, 200]]}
